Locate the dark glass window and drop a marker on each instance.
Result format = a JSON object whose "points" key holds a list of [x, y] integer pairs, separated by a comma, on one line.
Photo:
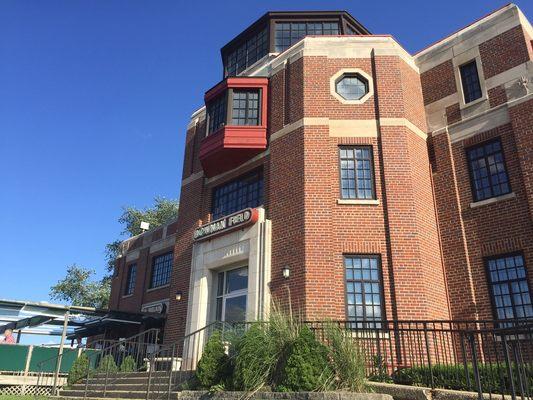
{"points": [[509, 287], [288, 33], [161, 270], [356, 168], [130, 279], [245, 110], [216, 113], [238, 194], [364, 303], [352, 86], [252, 50], [487, 170], [470, 81]]}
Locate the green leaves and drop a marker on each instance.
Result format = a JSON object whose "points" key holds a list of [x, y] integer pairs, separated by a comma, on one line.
{"points": [[78, 289]]}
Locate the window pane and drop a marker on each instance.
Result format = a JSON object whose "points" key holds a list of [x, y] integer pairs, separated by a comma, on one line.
{"points": [[161, 270], [244, 192], [130, 280], [216, 113], [470, 81], [235, 309], [509, 287], [245, 108], [236, 279], [356, 171], [364, 290], [352, 87], [287, 34], [488, 171]]}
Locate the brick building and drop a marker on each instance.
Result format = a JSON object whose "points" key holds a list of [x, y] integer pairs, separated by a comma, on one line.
{"points": [[332, 169]]}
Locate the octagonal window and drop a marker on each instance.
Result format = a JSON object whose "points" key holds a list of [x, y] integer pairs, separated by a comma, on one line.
{"points": [[351, 86]]}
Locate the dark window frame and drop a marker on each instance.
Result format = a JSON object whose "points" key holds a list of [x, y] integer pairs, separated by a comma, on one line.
{"points": [[473, 190], [248, 109], [257, 43], [467, 86], [220, 102], [372, 172], [131, 278], [164, 275], [371, 324], [490, 284], [356, 75], [247, 175], [306, 21]]}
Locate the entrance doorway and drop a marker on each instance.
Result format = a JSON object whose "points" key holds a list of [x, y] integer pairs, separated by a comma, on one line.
{"points": [[232, 290]]}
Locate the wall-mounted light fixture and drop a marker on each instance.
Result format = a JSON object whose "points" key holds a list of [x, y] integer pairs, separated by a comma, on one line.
{"points": [[286, 272], [178, 295]]}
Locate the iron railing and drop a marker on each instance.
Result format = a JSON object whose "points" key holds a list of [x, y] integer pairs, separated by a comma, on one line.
{"points": [[492, 357], [138, 347]]}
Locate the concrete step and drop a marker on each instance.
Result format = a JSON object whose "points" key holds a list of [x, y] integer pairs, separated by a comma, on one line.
{"points": [[120, 386], [115, 394]]}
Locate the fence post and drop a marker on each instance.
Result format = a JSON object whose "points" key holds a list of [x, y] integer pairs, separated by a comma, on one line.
{"points": [[430, 365], [475, 365], [509, 366], [463, 356], [171, 371], [152, 366]]}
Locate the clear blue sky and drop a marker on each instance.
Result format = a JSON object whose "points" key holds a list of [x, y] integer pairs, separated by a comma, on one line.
{"points": [[94, 99]]}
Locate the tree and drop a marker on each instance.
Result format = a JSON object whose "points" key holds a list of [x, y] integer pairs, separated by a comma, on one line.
{"points": [[78, 289], [163, 211]]}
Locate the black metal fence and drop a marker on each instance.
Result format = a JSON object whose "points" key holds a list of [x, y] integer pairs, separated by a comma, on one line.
{"points": [[492, 357]]}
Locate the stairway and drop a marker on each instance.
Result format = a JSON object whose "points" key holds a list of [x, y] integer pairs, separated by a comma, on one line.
{"points": [[127, 385]]}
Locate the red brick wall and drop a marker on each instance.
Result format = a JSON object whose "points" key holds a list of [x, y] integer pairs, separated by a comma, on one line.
{"points": [[438, 82], [504, 51]]}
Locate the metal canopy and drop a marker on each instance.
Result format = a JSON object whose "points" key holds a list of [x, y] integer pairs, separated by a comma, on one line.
{"points": [[42, 318]]}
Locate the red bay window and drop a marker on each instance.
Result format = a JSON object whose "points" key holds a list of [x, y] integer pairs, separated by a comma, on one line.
{"points": [[236, 112]]}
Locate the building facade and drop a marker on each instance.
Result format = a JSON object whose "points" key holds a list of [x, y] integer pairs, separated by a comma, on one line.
{"points": [[333, 171]]}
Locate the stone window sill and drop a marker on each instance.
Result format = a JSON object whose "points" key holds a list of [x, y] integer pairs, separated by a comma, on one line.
{"points": [[358, 202], [127, 295], [157, 288], [507, 196]]}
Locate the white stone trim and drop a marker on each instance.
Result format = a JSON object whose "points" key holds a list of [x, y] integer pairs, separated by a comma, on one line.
{"points": [[242, 166], [404, 122], [157, 288], [336, 47], [479, 123], [351, 71], [372, 202], [492, 200], [469, 36], [192, 178], [349, 127]]}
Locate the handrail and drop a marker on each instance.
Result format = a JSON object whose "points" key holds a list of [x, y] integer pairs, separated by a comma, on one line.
{"points": [[168, 351], [151, 333]]}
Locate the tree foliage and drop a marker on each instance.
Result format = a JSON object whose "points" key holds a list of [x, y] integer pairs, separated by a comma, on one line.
{"points": [[79, 369], [79, 289], [162, 211]]}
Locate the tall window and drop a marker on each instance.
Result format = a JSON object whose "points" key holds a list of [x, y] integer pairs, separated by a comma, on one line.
{"points": [[245, 109], [356, 168], [216, 113], [243, 192], [288, 33], [232, 289], [509, 287], [487, 170], [252, 50], [470, 81], [130, 279], [161, 270], [363, 291]]}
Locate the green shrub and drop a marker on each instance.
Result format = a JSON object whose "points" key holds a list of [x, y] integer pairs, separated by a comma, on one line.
{"points": [[79, 369], [306, 366], [128, 364], [213, 367], [346, 358], [254, 357], [107, 364], [455, 377]]}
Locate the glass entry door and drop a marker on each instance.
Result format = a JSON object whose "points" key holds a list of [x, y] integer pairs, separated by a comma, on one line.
{"points": [[232, 289]]}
